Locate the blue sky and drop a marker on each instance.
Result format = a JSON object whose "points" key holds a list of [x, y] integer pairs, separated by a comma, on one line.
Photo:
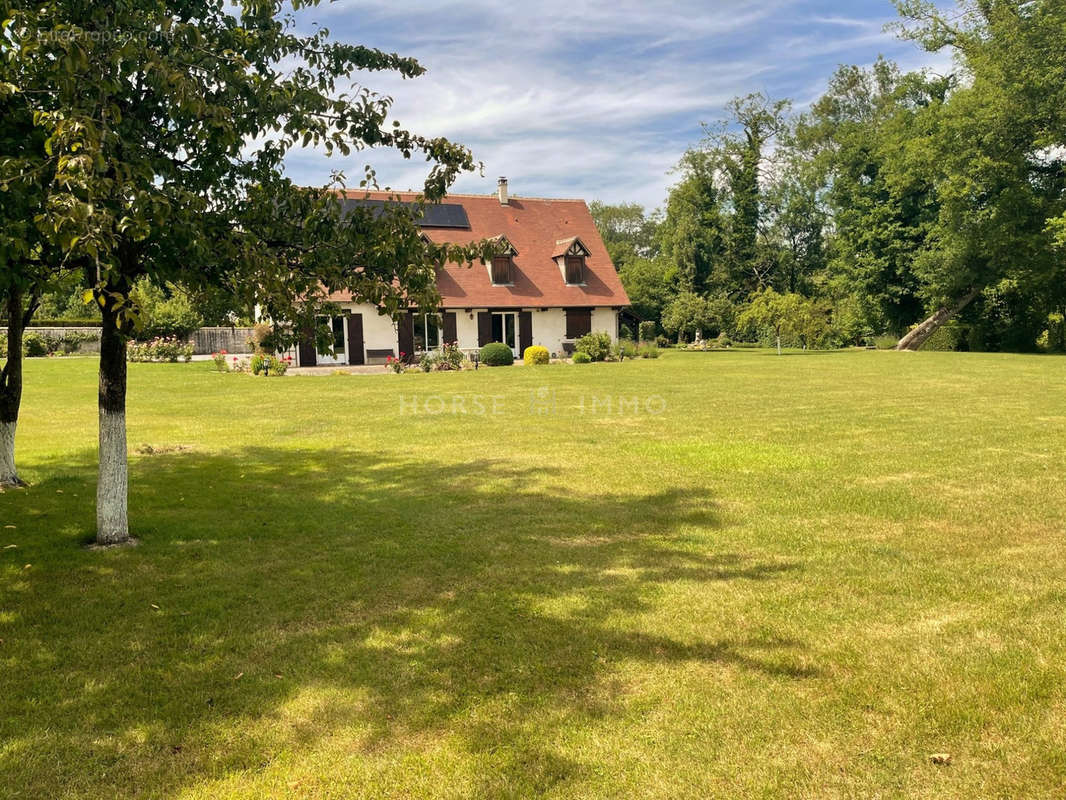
{"points": [[594, 99]]}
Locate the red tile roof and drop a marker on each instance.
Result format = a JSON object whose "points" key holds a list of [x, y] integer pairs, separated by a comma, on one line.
{"points": [[533, 227]]}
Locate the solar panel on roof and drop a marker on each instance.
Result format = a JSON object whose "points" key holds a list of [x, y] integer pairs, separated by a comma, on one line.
{"points": [[444, 215], [434, 215]]}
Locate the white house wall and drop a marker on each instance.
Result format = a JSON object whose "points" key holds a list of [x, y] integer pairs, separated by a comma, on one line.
{"points": [[549, 327], [605, 320]]}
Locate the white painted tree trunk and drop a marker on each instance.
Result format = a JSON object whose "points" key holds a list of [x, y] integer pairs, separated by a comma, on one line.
{"points": [[112, 519], [779, 344], [8, 473]]}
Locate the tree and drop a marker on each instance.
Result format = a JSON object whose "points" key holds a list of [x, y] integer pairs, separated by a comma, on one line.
{"points": [[994, 150], [789, 316], [738, 148], [627, 232], [690, 313], [690, 236], [29, 265], [881, 214], [794, 229], [167, 129], [165, 311], [650, 284]]}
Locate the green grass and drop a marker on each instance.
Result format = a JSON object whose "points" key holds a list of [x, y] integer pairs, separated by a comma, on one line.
{"points": [[801, 579]]}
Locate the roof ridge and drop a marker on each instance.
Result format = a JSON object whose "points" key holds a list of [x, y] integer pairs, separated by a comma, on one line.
{"points": [[477, 196]]}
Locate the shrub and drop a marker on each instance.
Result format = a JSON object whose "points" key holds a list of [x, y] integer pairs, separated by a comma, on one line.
{"points": [[886, 342], [581, 357], [596, 344], [35, 345], [268, 365], [165, 349], [427, 362], [220, 361], [450, 357], [167, 314], [646, 331], [1053, 339], [662, 341], [260, 337], [723, 340], [536, 355], [496, 354], [71, 342], [649, 350], [944, 338], [626, 348], [395, 364], [625, 332]]}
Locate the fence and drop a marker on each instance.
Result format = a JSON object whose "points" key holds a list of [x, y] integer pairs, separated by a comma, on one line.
{"points": [[214, 340], [204, 342]]}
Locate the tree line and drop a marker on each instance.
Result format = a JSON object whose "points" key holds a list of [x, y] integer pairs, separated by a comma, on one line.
{"points": [[899, 204]]}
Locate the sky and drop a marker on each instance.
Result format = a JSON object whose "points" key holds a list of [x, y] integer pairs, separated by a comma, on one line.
{"points": [[591, 99]]}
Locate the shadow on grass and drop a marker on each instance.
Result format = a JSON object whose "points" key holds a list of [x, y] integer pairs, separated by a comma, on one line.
{"points": [[284, 597]]}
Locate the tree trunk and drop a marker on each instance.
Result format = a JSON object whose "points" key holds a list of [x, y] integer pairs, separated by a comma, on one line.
{"points": [[112, 521], [11, 388], [915, 338], [779, 344]]}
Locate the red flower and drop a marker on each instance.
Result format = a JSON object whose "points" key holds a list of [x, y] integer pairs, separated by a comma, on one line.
{"points": [[224, 353]]}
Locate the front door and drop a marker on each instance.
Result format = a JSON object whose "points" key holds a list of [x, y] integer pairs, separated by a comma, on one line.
{"points": [[504, 329]]}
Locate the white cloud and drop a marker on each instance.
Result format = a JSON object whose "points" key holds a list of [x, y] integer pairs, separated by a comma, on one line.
{"points": [[595, 99]]}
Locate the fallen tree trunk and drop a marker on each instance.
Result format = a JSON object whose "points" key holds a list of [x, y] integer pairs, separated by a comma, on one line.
{"points": [[918, 335]]}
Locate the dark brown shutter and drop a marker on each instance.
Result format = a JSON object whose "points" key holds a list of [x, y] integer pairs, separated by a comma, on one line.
{"points": [[574, 269], [578, 322], [355, 340], [306, 352], [406, 341], [501, 270], [484, 328], [450, 334], [525, 331]]}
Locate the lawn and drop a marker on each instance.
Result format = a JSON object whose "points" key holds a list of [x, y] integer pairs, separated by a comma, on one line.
{"points": [[795, 576]]}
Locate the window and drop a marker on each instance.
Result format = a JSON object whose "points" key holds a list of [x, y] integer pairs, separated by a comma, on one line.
{"points": [[575, 269], [427, 332], [504, 329], [501, 270], [570, 255], [578, 322]]}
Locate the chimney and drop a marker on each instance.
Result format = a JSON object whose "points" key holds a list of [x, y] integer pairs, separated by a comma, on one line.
{"points": [[501, 190]]}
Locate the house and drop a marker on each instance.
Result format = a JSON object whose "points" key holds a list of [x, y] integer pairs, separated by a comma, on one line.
{"points": [[555, 283]]}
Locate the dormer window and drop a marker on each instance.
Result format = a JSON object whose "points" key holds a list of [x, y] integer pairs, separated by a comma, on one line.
{"points": [[570, 255], [501, 269], [575, 269]]}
